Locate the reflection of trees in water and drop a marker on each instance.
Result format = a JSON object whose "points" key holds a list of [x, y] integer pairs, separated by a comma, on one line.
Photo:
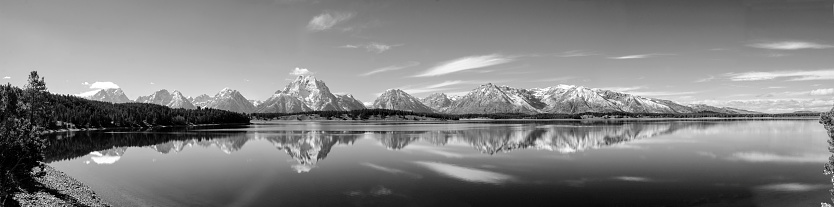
{"points": [[75, 145]]}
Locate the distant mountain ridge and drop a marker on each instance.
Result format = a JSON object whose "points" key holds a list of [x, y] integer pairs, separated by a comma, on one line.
{"points": [[306, 93], [173, 99]]}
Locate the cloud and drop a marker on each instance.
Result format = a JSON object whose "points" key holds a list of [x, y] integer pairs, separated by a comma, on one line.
{"points": [[152, 83], [557, 79], [822, 91], [796, 75], [790, 45], [661, 93], [769, 157], [392, 170], [301, 71], [773, 105], [101, 85], [7, 77], [576, 53], [640, 56], [792, 187], [623, 89], [467, 174], [710, 78], [633, 179], [392, 68], [466, 63], [328, 19], [372, 47]]}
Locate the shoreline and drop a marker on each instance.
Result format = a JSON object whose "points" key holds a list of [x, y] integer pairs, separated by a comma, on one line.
{"points": [[59, 189], [261, 121], [53, 131]]}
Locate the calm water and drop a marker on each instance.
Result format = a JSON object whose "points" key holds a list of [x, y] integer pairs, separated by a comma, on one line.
{"points": [[568, 163]]}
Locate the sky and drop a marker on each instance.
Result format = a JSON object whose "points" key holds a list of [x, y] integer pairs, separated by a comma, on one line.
{"points": [[764, 55]]}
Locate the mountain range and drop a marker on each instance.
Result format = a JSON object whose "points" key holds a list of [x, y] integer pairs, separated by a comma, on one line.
{"points": [[306, 93]]}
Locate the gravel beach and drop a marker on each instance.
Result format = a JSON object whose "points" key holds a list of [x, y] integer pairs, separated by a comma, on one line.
{"points": [[58, 189]]}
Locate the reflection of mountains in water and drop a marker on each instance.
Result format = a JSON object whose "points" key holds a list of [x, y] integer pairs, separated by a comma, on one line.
{"points": [[309, 147], [561, 138]]}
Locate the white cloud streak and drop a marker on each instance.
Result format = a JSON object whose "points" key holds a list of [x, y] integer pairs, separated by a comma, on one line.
{"points": [[796, 75], [773, 105], [7, 77], [466, 63], [392, 68], [301, 71], [790, 45], [102, 85], [623, 89], [467, 174], [769, 157], [640, 56], [328, 19], [822, 91], [576, 53], [374, 47]]}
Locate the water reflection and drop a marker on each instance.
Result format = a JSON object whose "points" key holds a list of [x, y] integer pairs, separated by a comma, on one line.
{"points": [[309, 147]]}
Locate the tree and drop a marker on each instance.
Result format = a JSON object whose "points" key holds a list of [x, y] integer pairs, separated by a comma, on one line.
{"points": [[23, 115]]}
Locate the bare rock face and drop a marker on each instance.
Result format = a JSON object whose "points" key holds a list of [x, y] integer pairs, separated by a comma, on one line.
{"points": [[171, 99], [348, 102], [490, 98], [311, 92], [437, 101], [112, 95], [726, 110], [201, 100], [230, 100], [282, 103], [397, 99], [563, 99]]}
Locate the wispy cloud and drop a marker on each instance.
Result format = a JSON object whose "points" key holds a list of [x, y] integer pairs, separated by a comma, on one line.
{"points": [[707, 79], [300, 71], [792, 187], [623, 88], [391, 170], [392, 68], [467, 174], [822, 91], [328, 19], [7, 77], [633, 179], [661, 93], [773, 105], [796, 75], [640, 56], [466, 63], [557, 79], [790, 45], [371, 47], [433, 87], [769, 157], [101, 85], [577, 53]]}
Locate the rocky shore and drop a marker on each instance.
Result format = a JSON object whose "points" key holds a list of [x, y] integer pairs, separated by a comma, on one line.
{"points": [[827, 120], [55, 188]]}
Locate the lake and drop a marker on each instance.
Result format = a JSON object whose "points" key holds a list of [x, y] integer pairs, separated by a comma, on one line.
{"points": [[475, 163]]}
